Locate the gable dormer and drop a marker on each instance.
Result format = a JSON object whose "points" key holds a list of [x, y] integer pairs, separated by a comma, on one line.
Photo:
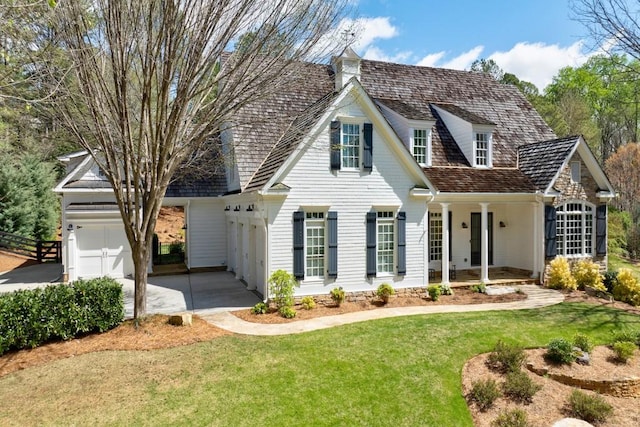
{"points": [[346, 66], [414, 126], [472, 133]]}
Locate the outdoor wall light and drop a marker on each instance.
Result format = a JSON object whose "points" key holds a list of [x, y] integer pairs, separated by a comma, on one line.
{"points": [[69, 227], [227, 208], [502, 224], [184, 227], [237, 208], [249, 208], [464, 225]]}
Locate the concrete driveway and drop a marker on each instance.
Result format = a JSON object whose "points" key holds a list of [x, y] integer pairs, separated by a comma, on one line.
{"points": [[201, 293]]}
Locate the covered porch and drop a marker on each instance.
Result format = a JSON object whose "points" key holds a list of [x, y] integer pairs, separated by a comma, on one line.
{"points": [[497, 240]]}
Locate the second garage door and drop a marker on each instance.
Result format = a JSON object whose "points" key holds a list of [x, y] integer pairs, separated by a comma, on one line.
{"points": [[103, 250]]}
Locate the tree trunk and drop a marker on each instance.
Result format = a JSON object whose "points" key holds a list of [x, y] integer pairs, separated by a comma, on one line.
{"points": [[140, 264]]}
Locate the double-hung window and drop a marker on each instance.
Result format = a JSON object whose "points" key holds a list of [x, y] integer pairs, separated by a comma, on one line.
{"points": [[481, 149], [574, 229], [350, 146], [420, 145], [315, 244]]}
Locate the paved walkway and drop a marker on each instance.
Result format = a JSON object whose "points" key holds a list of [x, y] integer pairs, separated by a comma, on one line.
{"points": [[537, 297]]}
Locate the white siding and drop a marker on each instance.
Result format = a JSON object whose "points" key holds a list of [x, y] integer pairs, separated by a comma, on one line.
{"points": [[207, 236], [351, 194]]}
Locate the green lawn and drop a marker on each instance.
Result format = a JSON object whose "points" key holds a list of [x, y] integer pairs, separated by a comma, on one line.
{"points": [[400, 372], [616, 263]]}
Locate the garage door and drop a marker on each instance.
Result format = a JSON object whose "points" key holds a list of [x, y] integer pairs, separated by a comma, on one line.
{"points": [[103, 250]]}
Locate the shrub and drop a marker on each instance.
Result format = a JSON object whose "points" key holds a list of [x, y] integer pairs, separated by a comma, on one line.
{"points": [[582, 342], [626, 335], [281, 284], [445, 289], [587, 274], [384, 291], [308, 303], [512, 418], [560, 350], [506, 358], [176, 247], [589, 408], [560, 276], [624, 350], [434, 292], [287, 312], [260, 308], [627, 288], [609, 281], [484, 393], [29, 318], [519, 387], [480, 288], [337, 295]]}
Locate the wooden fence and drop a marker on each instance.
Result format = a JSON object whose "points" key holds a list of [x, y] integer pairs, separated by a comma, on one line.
{"points": [[40, 250]]}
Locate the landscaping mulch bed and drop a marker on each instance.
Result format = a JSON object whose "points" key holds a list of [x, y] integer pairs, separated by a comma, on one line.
{"points": [[550, 403], [461, 296]]}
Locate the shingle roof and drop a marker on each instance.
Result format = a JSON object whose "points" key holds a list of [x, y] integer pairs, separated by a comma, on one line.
{"points": [[541, 161], [464, 114], [268, 131], [471, 180]]}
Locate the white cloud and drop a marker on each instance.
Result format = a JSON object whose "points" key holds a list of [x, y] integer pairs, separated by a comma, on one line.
{"points": [[376, 54], [464, 60], [538, 62], [367, 30], [431, 60]]}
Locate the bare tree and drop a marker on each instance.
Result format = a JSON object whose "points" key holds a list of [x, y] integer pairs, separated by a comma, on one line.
{"points": [[156, 83], [613, 24]]}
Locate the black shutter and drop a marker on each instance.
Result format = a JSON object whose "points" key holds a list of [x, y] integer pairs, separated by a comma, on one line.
{"points": [[450, 236], [298, 245], [332, 226], [551, 249], [402, 243], [601, 230], [371, 244], [335, 145], [367, 159]]}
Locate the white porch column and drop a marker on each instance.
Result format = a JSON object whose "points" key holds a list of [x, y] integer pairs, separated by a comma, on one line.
{"points": [[445, 243], [426, 246], [535, 270], [484, 244]]}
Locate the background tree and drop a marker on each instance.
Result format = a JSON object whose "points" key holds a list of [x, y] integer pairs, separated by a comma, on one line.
{"points": [[149, 75]]}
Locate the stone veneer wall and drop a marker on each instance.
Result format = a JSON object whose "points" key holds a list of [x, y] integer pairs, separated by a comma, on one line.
{"points": [[586, 189]]}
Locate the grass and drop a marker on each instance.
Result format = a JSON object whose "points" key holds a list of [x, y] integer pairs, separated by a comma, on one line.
{"points": [[616, 263], [400, 371]]}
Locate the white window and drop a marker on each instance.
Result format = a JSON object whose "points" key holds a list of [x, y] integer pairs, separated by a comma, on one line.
{"points": [[350, 146], [481, 148], [386, 242], [575, 172], [420, 144], [435, 236], [574, 229], [315, 244]]}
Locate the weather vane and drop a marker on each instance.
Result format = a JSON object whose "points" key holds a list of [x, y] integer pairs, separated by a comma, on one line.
{"points": [[348, 37]]}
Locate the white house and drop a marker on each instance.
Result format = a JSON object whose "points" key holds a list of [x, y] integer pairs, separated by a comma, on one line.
{"points": [[366, 172]]}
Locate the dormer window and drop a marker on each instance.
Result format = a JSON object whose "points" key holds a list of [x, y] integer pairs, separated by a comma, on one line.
{"points": [[420, 145], [481, 148]]}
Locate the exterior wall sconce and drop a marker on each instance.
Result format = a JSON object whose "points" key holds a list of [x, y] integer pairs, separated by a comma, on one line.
{"points": [[184, 227], [69, 227], [249, 208], [237, 208], [464, 225], [502, 224], [227, 208]]}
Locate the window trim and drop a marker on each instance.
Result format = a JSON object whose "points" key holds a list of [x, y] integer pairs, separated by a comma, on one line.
{"points": [[309, 222], [427, 146], [489, 142], [587, 218], [386, 217], [351, 122]]}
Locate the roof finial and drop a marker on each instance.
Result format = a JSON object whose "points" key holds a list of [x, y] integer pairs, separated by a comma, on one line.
{"points": [[348, 37]]}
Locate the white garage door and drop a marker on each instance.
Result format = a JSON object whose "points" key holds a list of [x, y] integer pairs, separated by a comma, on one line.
{"points": [[103, 250]]}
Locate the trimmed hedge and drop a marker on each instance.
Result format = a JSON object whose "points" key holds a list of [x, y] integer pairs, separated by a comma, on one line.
{"points": [[29, 318]]}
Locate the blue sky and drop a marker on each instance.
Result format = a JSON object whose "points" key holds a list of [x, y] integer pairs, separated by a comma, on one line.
{"points": [[531, 39]]}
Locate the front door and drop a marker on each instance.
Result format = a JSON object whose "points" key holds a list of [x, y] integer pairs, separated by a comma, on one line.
{"points": [[476, 238]]}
